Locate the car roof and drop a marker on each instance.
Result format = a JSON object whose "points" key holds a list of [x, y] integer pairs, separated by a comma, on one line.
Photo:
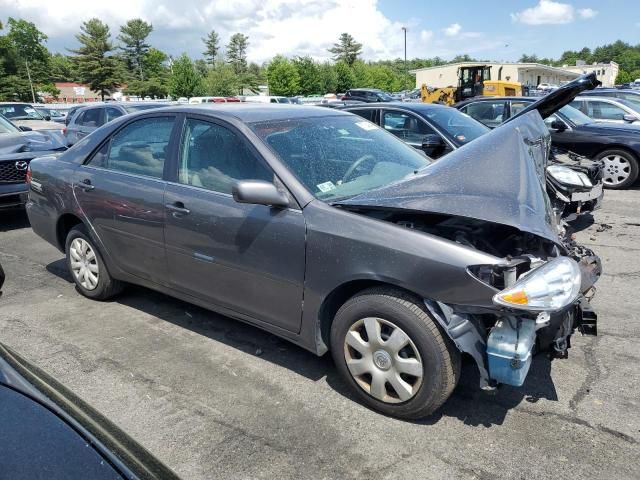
{"points": [[253, 112], [412, 106]]}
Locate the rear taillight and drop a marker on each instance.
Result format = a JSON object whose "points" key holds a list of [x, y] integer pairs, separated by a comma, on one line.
{"points": [[29, 175]]}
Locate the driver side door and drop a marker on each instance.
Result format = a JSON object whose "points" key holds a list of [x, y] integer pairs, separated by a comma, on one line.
{"points": [[249, 259]]}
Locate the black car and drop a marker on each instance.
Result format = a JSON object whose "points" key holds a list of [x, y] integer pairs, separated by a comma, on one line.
{"points": [[90, 118], [438, 130], [368, 95], [50, 433], [617, 145], [330, 232], [18, 146]]}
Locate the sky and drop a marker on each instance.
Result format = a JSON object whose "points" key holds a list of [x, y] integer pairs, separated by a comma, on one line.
{"points": [[486, 29]]}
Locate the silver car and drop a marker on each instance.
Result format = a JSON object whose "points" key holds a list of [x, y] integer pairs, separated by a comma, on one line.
{"points": [[608, 109]]}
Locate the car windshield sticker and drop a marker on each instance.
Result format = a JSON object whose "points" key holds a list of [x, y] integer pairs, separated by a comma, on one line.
{"points": [[366, 125], [326, 187]]}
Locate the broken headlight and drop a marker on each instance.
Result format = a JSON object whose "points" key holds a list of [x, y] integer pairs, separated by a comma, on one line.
{"points": [[550, 287], [569, 177]]}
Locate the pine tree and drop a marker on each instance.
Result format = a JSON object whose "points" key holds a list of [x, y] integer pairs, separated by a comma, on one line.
{"points": [[133, 35], [346, 50], [212, 46], [237, 52], [97, 65]]}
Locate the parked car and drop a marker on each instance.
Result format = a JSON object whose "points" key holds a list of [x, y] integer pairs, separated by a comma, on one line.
{"points": [[608, 109], [618, 146], [248, 210], [198, 100], [438, 130], [266, 99], [49, 432], [547, 86], [72, 111], [88, 119], [17, 149], [632, 96], [369, 95], [53, 114], [25, 115]]}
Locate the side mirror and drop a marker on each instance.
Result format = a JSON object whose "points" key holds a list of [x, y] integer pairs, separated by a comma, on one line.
{"points": [[47, 118], [24, 128], [432, 144], [558, 125], [629, 118], [259, 192]]}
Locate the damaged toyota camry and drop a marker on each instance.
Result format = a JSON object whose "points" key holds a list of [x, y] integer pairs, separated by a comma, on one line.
{"points": [[324, 229]]}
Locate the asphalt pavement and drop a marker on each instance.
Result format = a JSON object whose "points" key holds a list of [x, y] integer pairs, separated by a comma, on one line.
{"points": [[215, 398]]}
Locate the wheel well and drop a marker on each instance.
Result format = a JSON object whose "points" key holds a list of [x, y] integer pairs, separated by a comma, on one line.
{"points": [[65, 223], [340, 295]]}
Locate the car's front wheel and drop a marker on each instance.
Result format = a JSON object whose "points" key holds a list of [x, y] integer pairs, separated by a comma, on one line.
{"points": [[87, 267], [620, 168], [393, 355]]}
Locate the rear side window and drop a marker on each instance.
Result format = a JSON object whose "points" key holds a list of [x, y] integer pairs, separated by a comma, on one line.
{"points": [[406, 126], [214, 157], [139, 148], [604, 111], [491, 114]]}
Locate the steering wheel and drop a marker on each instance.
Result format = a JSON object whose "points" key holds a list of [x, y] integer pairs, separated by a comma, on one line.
{"points": [[355, 166]]}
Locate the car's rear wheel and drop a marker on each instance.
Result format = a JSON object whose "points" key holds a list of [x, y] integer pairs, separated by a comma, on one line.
{"points": [[393, 354], [87, 267], [620, 168]]}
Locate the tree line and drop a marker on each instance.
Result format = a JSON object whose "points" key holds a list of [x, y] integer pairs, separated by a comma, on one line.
{"points": [[106, 63]]}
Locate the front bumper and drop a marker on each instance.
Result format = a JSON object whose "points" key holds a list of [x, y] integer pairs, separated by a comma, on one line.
{"points": [[13, 195]]}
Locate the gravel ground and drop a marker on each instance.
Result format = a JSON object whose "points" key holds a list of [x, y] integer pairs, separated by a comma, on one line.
{"points": [[214, 398]]}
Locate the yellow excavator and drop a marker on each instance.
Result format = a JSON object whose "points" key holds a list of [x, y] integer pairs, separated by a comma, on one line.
{"points": [[473, 81]]}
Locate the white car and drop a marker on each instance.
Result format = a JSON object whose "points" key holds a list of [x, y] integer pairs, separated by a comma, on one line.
{"points": [[265, 99], [547, 86], [608, 109]]}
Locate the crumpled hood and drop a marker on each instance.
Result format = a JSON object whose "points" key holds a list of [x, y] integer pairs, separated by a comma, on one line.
{"points": [[13, 144], [499, 177]]}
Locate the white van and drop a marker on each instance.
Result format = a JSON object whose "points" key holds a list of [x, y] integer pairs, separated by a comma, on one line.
{"points": [[194, 100], [266, 99]]}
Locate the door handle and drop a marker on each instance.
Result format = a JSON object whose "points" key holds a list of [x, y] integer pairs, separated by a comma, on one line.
{"points": [[178, 207], [85, 185]]}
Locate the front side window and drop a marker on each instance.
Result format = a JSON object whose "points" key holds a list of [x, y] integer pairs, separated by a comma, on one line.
{"points": [[604, 111], [139, 148], [491, 114], [90, 118], [112, 113], [406, 126], [214, 157], [338, 157], [7, 127]]}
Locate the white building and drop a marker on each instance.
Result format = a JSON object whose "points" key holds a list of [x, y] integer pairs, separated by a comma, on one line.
{"points": [[606, 72], [532, 74]]}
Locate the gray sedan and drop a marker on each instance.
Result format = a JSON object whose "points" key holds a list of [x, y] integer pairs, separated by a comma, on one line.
{"points": [[324, 229]]}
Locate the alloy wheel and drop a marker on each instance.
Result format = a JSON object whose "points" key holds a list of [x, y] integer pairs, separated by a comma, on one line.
{"points": [[616, 169], [383, 360], [84, 264]]}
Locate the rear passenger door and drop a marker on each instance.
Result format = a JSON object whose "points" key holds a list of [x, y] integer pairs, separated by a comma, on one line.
{"points": [[120, 190], [245, 258]]}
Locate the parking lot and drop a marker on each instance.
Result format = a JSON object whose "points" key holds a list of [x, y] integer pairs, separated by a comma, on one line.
{"points": [[215, 398]]}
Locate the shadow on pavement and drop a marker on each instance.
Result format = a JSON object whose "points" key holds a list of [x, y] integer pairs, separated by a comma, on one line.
{"points": [[13, 220], [467, 403]]}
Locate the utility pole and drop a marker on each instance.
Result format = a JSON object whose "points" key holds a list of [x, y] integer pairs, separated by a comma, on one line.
{"points": [[404, 29], [33, 93]]}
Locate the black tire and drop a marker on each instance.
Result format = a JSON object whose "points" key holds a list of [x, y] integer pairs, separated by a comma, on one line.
{"points": [[633, 166], [106, 287], [440, 358]]}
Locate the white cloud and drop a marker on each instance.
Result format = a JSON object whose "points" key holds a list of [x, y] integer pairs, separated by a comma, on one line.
{"points": [[587, 13], [453, 30], [545, 12], [290, 27]]}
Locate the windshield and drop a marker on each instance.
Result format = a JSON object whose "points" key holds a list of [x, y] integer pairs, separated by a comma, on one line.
{"points": [[338, 157], [575, 116], [6, 126], [459, 127], [18, 111]]}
